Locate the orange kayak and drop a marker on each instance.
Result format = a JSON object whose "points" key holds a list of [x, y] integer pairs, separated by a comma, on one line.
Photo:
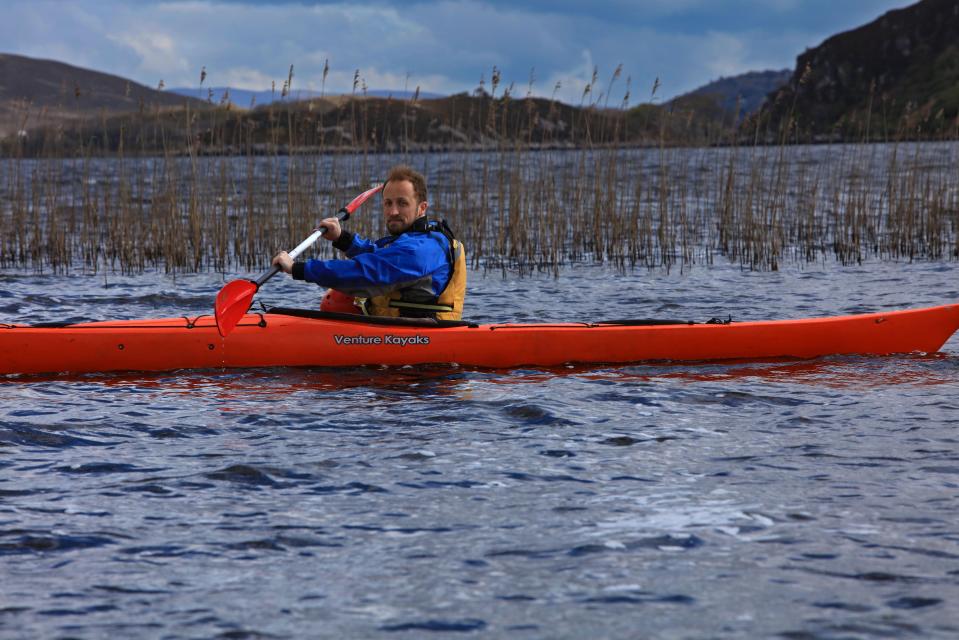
{"points": [[288, 337]]}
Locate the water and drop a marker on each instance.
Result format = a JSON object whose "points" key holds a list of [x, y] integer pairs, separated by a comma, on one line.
{"points": [[813, 499]]}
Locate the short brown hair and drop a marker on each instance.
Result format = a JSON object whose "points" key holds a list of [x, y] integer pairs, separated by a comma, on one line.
{"points": [[403, 172]]}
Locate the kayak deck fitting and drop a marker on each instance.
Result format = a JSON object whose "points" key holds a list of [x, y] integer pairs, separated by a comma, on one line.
{"points": [[290, 337]]}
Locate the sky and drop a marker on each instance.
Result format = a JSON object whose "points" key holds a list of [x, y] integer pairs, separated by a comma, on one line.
{"points": [[440, 46]]}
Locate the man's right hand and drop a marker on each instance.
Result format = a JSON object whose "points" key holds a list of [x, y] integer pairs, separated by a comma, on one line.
{"points": [[283, 261], [333, 230]]}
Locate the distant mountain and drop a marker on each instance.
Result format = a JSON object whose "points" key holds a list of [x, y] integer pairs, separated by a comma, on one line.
{"points": [[246, 99], [31, 89], [901, 70], [742, 94]]}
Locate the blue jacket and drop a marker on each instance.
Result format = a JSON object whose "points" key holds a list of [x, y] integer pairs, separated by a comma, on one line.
{"points": [[388, 264]]}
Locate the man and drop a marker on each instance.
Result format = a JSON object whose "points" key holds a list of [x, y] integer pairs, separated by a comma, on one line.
{"points": [[417, 271]]}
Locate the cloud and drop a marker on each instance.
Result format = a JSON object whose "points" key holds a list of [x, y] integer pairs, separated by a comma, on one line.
{"points": [[443, 46], [158, 52], [241, 78]]}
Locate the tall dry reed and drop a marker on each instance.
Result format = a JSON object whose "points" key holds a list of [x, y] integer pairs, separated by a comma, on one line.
{"points": [[224, 188]]}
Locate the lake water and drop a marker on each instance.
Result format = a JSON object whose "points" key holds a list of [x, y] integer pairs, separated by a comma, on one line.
{"points": [[812, 499]]}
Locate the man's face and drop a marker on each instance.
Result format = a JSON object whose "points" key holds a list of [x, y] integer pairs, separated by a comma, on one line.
{"points": [[400, 207]]}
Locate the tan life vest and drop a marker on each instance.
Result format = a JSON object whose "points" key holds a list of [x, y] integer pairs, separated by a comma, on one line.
{"points": [[447, 306]]}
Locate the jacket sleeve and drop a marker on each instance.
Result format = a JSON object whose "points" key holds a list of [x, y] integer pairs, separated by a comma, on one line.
{"points": [[373, 270], [352, 244]]}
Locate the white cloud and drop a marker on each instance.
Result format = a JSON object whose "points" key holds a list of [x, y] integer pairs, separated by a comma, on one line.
{"points": [[725, 54], [158, 52], [571, 82], [240, 78]]}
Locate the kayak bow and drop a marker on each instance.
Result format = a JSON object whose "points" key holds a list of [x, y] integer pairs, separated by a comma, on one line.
{"points": [[284, 337]]}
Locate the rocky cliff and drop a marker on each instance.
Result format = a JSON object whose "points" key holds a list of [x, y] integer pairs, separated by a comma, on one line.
{"points": [[897, 73]]}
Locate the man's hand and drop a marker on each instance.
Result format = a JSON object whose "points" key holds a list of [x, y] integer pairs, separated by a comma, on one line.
{"points": [[333, 230], [284, 261]]}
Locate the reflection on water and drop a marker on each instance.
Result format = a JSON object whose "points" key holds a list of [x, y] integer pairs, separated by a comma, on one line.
{"points": [[830, 371], [847, 372]]}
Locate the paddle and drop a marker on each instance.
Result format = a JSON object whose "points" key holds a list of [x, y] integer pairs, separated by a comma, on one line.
{"points": [[234, 299]]}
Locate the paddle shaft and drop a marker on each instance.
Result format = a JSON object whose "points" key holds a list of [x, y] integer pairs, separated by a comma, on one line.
{"points": [[342, 215], [300, 248]]}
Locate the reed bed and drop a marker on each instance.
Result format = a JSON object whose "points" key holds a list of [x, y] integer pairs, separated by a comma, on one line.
{"points": [[156, 198]]}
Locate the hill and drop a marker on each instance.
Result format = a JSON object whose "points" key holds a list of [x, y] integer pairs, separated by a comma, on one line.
{"points": [[899, 71], [743, 94], [37, 92]]}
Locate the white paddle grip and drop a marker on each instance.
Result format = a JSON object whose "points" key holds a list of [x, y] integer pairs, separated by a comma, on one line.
{"points": [[303, 246]]}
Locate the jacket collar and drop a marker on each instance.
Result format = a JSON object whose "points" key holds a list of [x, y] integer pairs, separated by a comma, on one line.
{"points": [[421, 225]]}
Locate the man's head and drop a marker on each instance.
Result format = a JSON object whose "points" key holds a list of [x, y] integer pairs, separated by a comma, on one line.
{"points": [[404, 198]]}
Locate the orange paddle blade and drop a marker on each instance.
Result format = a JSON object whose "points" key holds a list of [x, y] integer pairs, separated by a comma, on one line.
{"points": [[232, 303]]}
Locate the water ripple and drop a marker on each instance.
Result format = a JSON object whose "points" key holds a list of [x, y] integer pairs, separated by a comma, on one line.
{"points": [[19, 541], [12, 433], [439, 626]]}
